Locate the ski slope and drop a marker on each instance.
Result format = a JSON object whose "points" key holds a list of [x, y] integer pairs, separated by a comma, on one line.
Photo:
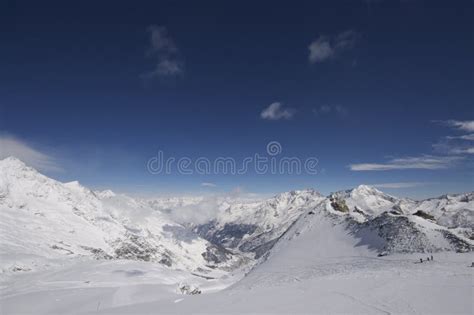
{"points": [[319, 267]]}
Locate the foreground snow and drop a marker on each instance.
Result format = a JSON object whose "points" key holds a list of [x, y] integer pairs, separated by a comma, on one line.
{"points": [[365, 286], [93, 285], [316, 267], [357, 284]]}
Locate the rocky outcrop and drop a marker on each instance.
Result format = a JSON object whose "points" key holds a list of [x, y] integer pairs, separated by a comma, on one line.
{"points": [[425, 215]]}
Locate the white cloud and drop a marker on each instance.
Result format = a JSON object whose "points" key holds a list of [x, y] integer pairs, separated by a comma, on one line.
{"points": [[276, 111], [205, 184], [456, 144], [11, 146], [209, 207], [163, 48], [427, 162], [197, 213], [401, 185], [466, 125], [327, 109], [469, 137], [462, 150], [345, 40], [320, 50], [168, 67], [325, 48], [463, 125], [454, 150], [160, 41]]}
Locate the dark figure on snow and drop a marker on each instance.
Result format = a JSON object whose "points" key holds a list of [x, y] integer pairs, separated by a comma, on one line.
{"points": [[427, 259], [431, 257], [421, 260]]}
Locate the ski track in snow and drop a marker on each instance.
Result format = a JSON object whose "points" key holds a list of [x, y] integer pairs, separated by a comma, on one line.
{"points": [[362, 302]]}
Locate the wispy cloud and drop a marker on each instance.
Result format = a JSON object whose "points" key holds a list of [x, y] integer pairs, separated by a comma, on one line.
{"points": [[12, 146], [167, 67], [401, 185], [163, 48], [328, 109], [454, 146], [320, 50], [465, 150], [275, 111], [461, 144], [427, 162], [450, 150], [206, 184], [160, 40], [326, 47], [469, 137], [464, 125]]}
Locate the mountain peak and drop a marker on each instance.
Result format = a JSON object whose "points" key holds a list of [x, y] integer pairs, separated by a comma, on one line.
{"points": [[305, 191], [367, 189], [361, 191], [13, 165], [364, 191], [105, 194], [12, 161]]}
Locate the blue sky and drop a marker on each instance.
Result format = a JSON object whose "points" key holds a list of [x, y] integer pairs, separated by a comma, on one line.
{"points": [[380, 92]]}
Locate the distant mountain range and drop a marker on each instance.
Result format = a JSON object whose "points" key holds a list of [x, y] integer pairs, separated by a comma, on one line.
{"points": [[43, 221]]}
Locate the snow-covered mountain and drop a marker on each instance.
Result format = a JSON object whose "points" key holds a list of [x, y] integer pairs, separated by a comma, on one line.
{"points": [[327, 262], [98, 249], [41, 218], [254, 227], [241, 225], [452, 211], [406, 225], [398, 224], [327, 259]]}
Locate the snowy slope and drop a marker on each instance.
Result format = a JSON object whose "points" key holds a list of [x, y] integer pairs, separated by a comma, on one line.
{"points": [[337, 285], [328, 262], [318, 266], [41, 218]]}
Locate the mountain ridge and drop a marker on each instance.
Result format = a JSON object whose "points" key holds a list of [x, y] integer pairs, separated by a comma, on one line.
{"points": [[42, 216]]}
